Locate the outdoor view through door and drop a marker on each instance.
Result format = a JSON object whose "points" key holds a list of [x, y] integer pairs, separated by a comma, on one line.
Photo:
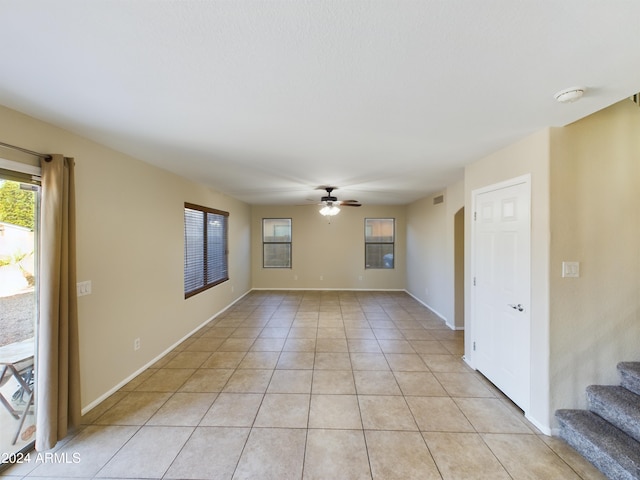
{"points": [[19, 195]]}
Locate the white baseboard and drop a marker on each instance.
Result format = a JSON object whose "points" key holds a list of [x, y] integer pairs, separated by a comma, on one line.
{"points": [[110, 392], [333, 289], [452, 327]]}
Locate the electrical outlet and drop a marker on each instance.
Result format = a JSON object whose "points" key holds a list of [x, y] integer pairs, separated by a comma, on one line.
{"points": [[136, 344]]}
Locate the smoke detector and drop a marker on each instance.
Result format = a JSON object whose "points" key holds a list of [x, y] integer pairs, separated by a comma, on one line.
{"points": [[569, 95]]}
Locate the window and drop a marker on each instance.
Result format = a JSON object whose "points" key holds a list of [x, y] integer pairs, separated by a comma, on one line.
{"points": [[379, 238], [205, 248], [276, 242]]}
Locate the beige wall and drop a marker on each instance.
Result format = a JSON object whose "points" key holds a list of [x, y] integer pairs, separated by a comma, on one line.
{"points": [[431, 249], [130, 245], [595, 196], [528, 156], [332, 249]]}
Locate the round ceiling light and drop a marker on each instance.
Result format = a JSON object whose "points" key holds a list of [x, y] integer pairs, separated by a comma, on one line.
{"points": [[569, 95]]}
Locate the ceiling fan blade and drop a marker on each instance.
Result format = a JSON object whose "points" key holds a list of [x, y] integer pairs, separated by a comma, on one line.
{"points": [[350, 204]]}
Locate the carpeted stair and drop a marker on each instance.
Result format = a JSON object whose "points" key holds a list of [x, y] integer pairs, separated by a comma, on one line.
{"points": [[608, 434]]}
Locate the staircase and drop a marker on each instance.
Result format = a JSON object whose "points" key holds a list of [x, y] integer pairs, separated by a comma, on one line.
{"points": [[608, 434]]}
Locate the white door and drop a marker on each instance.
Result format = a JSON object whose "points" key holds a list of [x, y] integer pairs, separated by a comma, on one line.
{"points": [[501, 315]]}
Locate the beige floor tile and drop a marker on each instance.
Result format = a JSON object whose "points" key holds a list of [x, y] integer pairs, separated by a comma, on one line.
{"points": [[166, 380], [445, 363], [207, 380], [139, 379], [528, 457], [265, 360], [359, 333], [283, 322], [221, 447], [374, 360], [148, 454], [335, 411], [272, 454], [334, 382], [290, 381], [357, 345], [183, 409], [396, 346], [577, 462], [268, 345], [331, 332], [463, 385], [448, 334], [438, 414], [218, 332], [326, 345], [419, 334], [400, 455], [249, 381], [302, 332], [93, 447], [188, 360], [336, 454], [274, 332], [406, 362], [422, 384], [300, 345], [296, 360], [372, 382], [332, 361], [246, 332], [369, 361], [464, 456], [236, 345], [490, 415], [99, 410], [429, 347], [224, 360], [388, 334], [455, 347], [381, 412], [283, 410], [134, 409], [233, 410], [204, 344]]}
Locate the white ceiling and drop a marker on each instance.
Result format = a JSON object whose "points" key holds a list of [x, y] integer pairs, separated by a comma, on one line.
{"points": [[267, 100]]}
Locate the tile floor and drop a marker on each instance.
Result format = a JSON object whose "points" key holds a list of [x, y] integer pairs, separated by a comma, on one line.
{"points": [[312, 385]]}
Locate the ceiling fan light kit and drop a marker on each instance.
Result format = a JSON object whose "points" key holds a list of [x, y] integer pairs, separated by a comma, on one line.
{"points": [[330, 203], [329, 210]]}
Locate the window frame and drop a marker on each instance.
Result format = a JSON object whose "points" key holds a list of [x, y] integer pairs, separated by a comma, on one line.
{"points": [[290, 243], [224, 272], [392, 243]]}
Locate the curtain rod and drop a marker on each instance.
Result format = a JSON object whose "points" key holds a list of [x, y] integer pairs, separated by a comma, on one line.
{"points": [[24, 150]]}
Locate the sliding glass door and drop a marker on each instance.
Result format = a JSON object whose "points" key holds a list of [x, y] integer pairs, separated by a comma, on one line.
{"points": [[19, 202]]}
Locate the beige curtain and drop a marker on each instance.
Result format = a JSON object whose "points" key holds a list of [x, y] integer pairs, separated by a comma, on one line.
{"points": [[57, 368]]}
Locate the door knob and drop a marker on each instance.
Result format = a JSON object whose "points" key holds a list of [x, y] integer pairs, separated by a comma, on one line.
{"points": [[518, 307]]}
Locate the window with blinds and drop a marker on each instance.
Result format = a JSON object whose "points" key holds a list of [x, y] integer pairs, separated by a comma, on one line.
{"points": [[205, 248]]}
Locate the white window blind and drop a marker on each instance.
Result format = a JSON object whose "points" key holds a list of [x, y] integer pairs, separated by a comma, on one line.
{"points": [[205, 248]]}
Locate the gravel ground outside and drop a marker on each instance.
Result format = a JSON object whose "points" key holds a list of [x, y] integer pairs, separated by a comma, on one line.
{"points": [[17, 317]]}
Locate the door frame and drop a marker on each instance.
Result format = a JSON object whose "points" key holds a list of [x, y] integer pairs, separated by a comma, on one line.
{"points": [[472, 322]]}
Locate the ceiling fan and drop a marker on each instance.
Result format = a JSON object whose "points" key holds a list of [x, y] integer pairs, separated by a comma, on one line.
{"points": [[331, 204]]}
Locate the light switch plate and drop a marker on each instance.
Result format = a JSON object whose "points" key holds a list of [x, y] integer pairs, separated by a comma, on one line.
{"points": [[570, 269], [84, 288]]}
